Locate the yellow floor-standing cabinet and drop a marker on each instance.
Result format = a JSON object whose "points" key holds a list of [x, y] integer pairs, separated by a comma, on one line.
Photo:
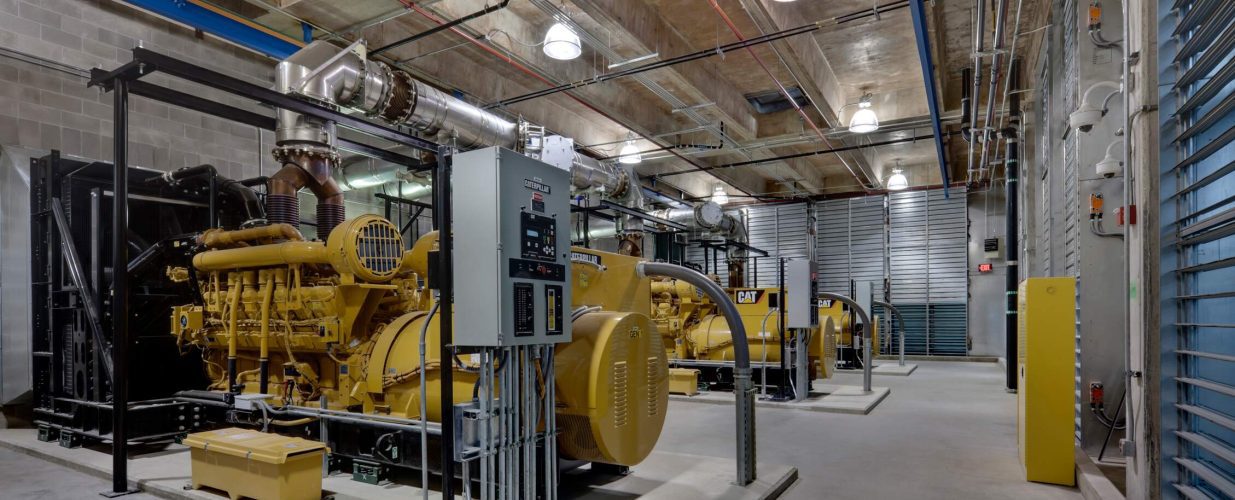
{"points": [[1046, 366]]}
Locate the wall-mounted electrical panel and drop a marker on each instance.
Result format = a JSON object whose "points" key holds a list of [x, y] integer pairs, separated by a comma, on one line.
{"points": [[801, 290], [511, 249], [990, 248]]}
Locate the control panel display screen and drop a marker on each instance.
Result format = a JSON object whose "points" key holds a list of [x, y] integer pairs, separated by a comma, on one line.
{"points": [[539, 237]]}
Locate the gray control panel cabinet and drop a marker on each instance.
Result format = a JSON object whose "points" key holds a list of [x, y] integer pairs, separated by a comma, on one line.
{"points": [[511, 249], [801, 290]]}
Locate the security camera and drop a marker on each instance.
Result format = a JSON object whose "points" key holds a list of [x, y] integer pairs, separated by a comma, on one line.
{"points": [[1080, 123], [1110, 166], [1088, 113]]}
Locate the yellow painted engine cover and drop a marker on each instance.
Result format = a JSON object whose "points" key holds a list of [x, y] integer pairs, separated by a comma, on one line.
{"points": [[613, 388]]}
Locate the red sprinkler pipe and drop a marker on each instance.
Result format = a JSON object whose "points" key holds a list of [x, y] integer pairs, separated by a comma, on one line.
{"points": [[738, 33]]}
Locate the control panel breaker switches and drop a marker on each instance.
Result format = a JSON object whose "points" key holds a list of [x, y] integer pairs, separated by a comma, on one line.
{"points": [[511, 249]]}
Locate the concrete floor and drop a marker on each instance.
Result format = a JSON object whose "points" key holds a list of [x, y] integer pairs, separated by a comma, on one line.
{"points": [[32, 479], [947, 432]]}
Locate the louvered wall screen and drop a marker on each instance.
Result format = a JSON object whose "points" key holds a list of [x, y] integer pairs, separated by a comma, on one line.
{"points": [[1197, 217], [780, 230], [1045, 153], [925, 247], [850, 242]]}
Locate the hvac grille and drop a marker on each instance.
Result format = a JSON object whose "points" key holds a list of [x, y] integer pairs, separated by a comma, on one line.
{"points": [[654, 380], [621, 391], [379, 247]]}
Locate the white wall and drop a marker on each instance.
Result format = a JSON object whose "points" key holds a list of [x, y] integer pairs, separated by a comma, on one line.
{"points": [[987, 291]]}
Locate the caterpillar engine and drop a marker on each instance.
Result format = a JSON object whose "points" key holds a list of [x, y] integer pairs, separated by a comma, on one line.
{"points": [[341, 322], [693, 329]]}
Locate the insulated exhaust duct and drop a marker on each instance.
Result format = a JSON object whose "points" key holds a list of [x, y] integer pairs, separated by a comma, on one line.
{"points": [[346, 78], [360, 172]]}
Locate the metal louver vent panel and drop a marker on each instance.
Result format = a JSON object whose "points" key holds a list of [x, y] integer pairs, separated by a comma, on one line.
{"points": [[781, 230], [1197, 224], [850, 242]]}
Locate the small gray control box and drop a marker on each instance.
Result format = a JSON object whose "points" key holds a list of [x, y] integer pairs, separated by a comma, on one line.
{"points": [[511, 249], [801, 290]]}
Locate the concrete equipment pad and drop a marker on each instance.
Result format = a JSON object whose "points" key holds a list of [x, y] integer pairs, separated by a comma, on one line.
{"points": [[830, 398], [164, 472], [673, 476], [894, 369]]}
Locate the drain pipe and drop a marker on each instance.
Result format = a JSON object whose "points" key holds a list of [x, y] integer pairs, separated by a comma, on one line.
{"points": [[743, 388], [867, 362], [900, 320], [1012, 232]]}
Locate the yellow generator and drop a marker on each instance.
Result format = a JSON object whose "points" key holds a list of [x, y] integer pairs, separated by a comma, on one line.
{"points": [[287, 324], [700, 343], [848, 349]]}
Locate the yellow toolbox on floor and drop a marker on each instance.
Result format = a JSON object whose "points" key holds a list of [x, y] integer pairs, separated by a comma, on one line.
{"points": [[683, 381], [1046, 371], [254, 464]]}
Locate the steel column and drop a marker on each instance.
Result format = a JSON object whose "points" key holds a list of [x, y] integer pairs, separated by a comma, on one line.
{"points": [[120, 290], [445, 281]]}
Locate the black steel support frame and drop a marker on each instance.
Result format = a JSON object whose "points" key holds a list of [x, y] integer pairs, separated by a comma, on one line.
{"points": [[120, 290], [599, 210], [126, 79], [388, 203], [442, 221], [717, 248]]}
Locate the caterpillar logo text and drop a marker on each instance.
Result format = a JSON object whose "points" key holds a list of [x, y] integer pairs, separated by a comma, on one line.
{"points": [[748, 296], [585, 258]]}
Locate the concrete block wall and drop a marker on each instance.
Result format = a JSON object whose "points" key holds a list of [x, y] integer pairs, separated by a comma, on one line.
{"points": [[47, 48], [46, 108]]}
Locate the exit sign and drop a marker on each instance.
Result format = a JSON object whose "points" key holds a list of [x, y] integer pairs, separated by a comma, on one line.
{"points": [[985, 268]]}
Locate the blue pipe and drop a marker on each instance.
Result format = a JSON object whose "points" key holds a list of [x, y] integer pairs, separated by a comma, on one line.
{"points": [[917, 9], [231, 28]]}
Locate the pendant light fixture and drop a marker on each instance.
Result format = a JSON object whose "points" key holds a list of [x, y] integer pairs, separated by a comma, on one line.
{"points": [[719, 196], [629, 154], [864, 120], [561, 43], [897, 181]]}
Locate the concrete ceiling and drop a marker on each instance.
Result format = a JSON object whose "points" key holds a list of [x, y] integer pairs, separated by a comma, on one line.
{"points": [[496, 56]]}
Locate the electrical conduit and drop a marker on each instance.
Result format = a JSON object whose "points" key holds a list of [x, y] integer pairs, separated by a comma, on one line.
{"points": [[867, 362], [743, 389]]}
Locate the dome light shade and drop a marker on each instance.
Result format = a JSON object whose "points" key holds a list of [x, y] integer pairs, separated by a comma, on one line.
{"points": [[719, 196], [864, 121], [561, 43], [897, 181], [629, 154]]}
